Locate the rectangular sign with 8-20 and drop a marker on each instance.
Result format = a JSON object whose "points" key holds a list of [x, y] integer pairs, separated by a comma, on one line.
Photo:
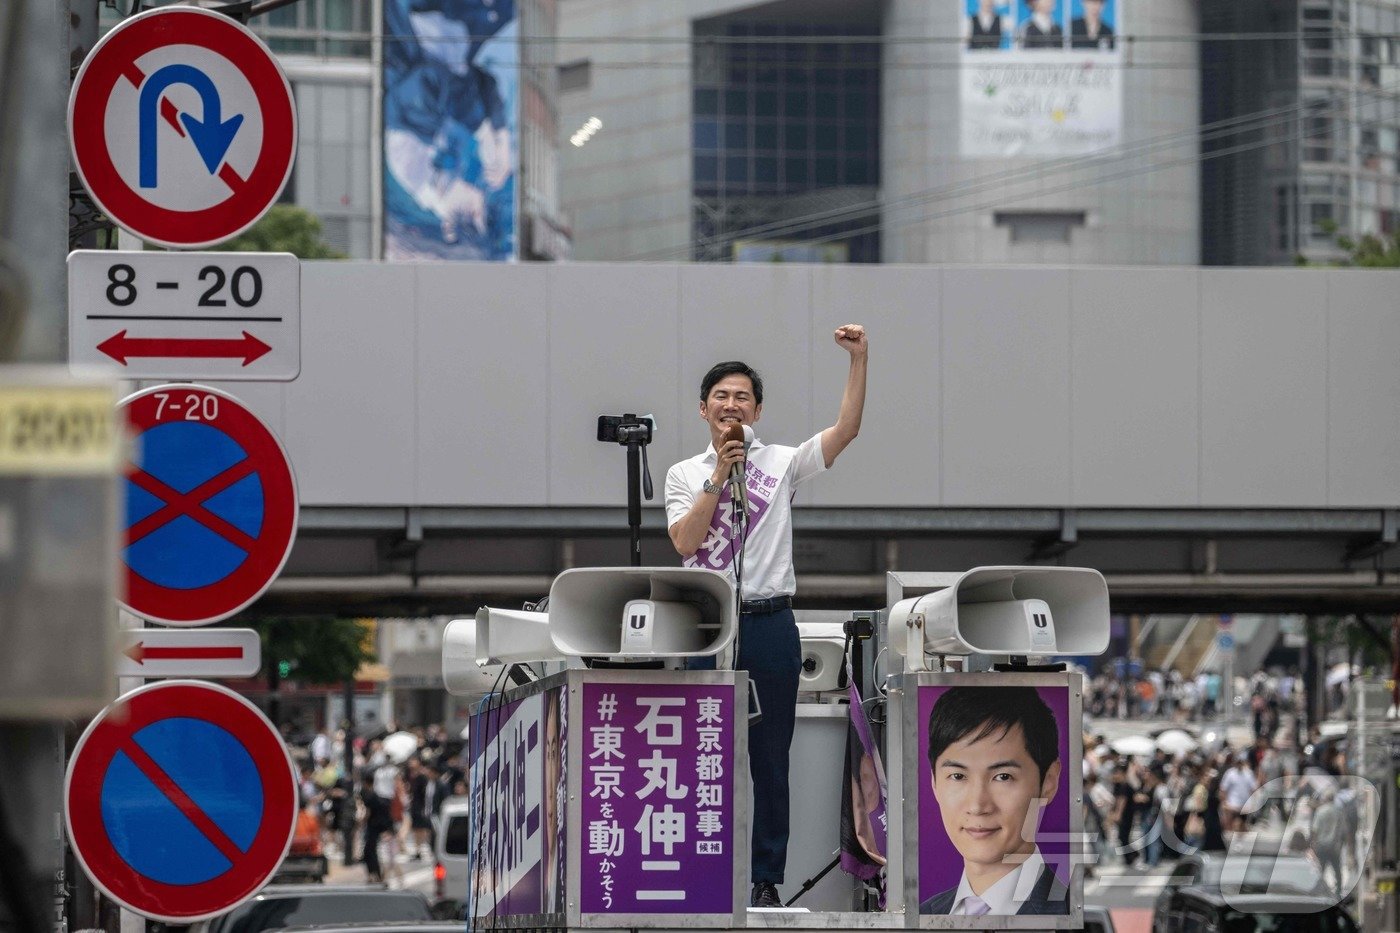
{"points": [[149, 315]]}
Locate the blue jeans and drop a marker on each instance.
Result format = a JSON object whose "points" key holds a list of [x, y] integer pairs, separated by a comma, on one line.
{"points": [[771, 652]]}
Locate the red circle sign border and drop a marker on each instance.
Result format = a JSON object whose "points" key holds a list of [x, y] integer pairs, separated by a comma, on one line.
{"points": [[82, 793], [95, 81], [280, 512]]}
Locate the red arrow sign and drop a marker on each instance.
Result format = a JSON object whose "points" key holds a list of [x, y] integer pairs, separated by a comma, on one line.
{"points": [[120, 347], [139, 653]]}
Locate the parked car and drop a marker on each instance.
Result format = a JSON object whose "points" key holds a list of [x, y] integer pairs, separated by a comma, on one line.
{"points": [[1097, 919], [1204, 909], [277, 907], [1262, 870], [452, 849], [305, 862]]}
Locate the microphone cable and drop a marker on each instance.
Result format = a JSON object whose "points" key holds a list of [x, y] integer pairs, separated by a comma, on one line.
{"points": [[741, 540]]}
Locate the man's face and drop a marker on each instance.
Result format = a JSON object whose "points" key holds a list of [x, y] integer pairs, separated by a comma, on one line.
{"points": [[986, 789], [1046, 7], [730, 401]]}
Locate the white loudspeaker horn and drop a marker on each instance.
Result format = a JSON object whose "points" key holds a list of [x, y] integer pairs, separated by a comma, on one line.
{"points": [[1004, 611], [823, 656], [641, 612], [509, 636], [462, 674]]}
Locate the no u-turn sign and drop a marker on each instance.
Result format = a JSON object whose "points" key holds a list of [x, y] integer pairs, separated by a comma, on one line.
{"points": [[183, 126]]}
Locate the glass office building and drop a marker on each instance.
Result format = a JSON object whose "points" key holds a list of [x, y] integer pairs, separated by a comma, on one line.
{"points": [[1328, 90]]}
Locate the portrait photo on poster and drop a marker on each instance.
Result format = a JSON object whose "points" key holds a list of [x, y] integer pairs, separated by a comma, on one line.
{"points": [[995, 765]]}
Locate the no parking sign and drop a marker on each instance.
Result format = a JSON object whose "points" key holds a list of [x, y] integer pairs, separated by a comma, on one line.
{"points": [[180, 800], [211, 506]]}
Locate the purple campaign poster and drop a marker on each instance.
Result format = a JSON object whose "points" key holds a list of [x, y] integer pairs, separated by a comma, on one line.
{"points": [[657, 798], [986, 813], [507, 788]]}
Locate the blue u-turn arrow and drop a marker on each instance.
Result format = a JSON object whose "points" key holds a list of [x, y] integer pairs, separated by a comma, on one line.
{"points": [[211, 136]]}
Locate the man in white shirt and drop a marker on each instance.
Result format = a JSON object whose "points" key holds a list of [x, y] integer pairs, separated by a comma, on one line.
{"points": [[1235, 789], [706, 531], [995, 762]]}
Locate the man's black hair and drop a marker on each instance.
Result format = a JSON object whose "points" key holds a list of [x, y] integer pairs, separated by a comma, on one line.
{"points": [[731, 368], [983, 711]]}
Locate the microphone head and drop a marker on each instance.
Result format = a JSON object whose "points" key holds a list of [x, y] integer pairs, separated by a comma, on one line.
{"points": [[735, 432], [748, 437]]}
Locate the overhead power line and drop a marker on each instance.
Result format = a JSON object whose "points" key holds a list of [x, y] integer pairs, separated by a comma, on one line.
{"points": [[1251, 122], [938, 215]]}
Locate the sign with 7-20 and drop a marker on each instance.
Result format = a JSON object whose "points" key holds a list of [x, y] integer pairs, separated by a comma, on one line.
{"points": [[154, 315]]}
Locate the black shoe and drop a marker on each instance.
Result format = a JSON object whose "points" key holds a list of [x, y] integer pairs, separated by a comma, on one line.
{"points": [[765, 895]]}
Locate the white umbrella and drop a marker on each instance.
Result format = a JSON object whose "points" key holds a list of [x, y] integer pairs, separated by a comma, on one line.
{"points": [[1133, 745], [1176, 741], [400, 746], [1339, 674]]}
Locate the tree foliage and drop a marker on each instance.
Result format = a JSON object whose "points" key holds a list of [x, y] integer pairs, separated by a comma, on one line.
{"points": [[319, 649], [1370, 252], [285, 228], [1363, 645]]}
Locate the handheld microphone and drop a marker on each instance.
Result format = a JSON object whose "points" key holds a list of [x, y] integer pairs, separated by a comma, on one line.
{"points": [[740, 494]]}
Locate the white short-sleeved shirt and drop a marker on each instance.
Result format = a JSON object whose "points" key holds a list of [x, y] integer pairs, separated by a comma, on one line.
{"points": [[772, 474]]}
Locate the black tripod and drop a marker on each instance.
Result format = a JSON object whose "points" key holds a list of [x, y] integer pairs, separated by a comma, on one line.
{"points": [[634, 433]]}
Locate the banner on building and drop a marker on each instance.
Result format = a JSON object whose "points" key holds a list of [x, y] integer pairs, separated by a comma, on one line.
{"points": [[1040, 78], [451, 115]]}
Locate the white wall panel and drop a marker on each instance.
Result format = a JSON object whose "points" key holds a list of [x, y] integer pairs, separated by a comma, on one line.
{"points": [[350, 423], [894, 461], [761, 315], [613, 348], [1134, 372], [1005, 386], [990, 386], [482, 413], [1263, 385], [1363, 430]]}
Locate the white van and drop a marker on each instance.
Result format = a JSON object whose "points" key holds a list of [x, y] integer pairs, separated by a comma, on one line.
{"points": [[453, 844]]}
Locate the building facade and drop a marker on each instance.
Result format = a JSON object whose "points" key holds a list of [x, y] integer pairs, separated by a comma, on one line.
{"points": [[1317, 85], [873, 131]]}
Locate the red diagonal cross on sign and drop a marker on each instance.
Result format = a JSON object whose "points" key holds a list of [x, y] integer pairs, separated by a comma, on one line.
{"points": [[190, 503]]}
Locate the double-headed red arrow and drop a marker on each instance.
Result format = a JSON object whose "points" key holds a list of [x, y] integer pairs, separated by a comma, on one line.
{"points": [[120, 347], [140, 653]]}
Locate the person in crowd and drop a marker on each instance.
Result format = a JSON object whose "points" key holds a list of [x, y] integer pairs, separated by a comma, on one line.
{"points": [[1212, 821], [1236, 787], [1151, 808], [1326, 834], [376, 792], [419, 818], [1098, 815], [1124, 813]]}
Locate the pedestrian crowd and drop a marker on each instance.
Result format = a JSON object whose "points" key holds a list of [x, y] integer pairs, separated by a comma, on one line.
{"points": [[389, 798], [1170, 695], [1141, 809]]}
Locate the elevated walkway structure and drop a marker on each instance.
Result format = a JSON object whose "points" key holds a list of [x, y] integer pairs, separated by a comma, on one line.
{"points": [[1209, 438]]}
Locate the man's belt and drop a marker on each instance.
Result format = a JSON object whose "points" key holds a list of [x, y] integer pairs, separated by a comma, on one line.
{"points": [[771, 604]]}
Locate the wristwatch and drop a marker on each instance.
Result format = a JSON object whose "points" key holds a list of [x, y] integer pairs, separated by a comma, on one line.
{"points": [[712, 487]]}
